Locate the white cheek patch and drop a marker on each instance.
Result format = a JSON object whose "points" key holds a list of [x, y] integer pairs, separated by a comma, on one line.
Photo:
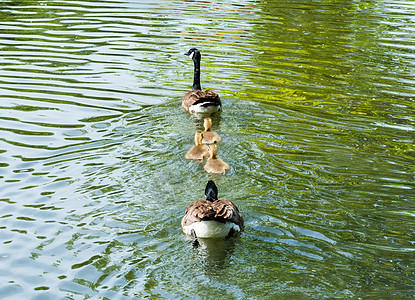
{"points": [[191, 55]]}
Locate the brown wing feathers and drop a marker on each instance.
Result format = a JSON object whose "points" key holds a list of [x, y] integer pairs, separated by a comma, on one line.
{"points": [[226, 210], [197, 96], [221, 210], [198, 211]]}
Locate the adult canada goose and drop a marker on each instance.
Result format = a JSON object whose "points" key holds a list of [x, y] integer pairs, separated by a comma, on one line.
{"points": [[212, 218], [209, 136], [198, 150], [198, 101], [215, 164]]}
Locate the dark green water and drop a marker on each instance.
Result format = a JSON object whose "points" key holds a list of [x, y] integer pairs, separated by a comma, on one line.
{"points": [[317, 127]]}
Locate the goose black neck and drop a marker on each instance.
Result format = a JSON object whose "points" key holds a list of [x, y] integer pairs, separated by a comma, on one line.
{"points": [[196, 78]]}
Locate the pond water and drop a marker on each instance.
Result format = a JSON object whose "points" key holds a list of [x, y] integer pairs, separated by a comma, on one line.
{"points": [[317, 127]]}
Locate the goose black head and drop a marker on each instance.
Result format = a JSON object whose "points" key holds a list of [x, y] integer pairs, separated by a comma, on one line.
{"points": [[211, 191], [193, 54]]}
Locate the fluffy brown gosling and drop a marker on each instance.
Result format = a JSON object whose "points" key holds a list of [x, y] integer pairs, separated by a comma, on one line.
{"points": [[198, 150], [209, 136], [215, 164]]}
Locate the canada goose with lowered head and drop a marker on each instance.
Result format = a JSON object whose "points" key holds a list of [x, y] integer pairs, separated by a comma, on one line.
{"points": [[198, 101], [213, 217], [209, 136], [198, 150], [215, 164]]}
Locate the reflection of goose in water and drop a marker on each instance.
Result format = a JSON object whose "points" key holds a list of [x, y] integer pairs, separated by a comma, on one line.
{"points": [[198, 101], [213, 255], [214, 164], [209, 136], [198, 150], [213, 217]]}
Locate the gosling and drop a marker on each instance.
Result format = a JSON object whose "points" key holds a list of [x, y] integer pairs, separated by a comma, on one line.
{"points": [[215, 164], [198, 150], [209, 136]]}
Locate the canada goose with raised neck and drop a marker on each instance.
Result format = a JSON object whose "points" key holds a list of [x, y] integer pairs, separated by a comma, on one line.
{"points": [[198, 101], [213, 217], [214, 164], [198, 150], [209, 136]]}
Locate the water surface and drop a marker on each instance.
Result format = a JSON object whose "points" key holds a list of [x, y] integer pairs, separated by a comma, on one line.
{"points": [[317, 127]]}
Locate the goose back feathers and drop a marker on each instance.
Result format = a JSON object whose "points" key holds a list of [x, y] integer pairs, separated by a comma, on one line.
{"points": [[221, 210], [197, 101]]}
